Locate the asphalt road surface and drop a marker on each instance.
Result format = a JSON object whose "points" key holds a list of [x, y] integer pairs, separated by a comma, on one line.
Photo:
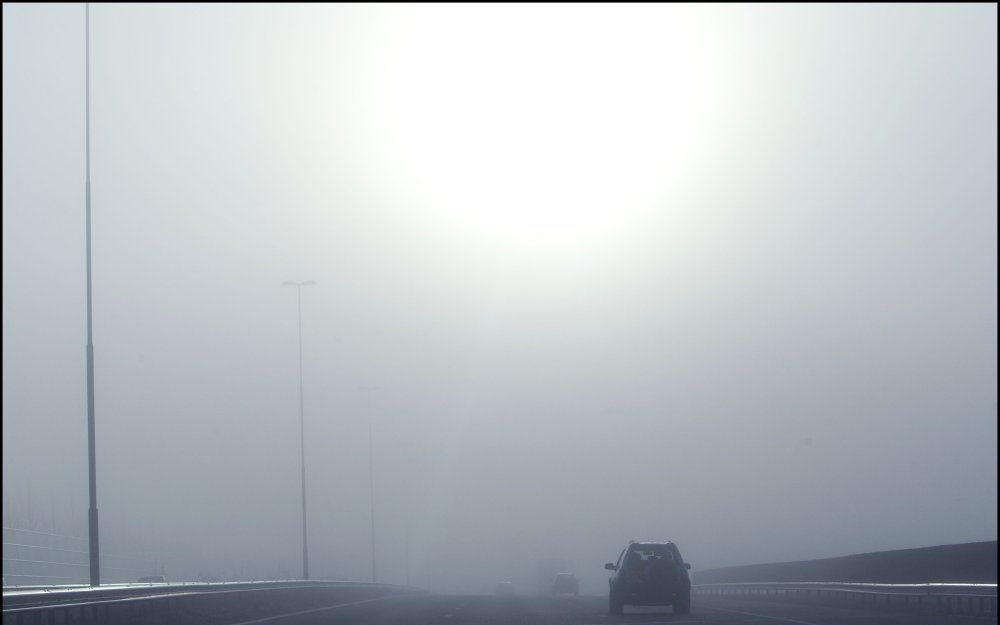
{"points": [[486, 610]]}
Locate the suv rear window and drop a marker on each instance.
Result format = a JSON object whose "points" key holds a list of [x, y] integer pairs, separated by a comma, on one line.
{"points": [[645, 553]]}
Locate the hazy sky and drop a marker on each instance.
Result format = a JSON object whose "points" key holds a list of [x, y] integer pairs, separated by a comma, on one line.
{"points": [[724, 275]]}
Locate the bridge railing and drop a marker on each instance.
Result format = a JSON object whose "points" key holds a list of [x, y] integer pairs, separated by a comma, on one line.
{"points": [[944, 598], [37, 557]]}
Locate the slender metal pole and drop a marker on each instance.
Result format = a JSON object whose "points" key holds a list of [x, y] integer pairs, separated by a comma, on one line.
{"points": [[302, 428], [371, 478], [94, 547], [302, 443]]}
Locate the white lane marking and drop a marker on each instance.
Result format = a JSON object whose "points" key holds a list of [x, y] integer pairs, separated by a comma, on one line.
{"points": [[329, 607], [775, 618]]}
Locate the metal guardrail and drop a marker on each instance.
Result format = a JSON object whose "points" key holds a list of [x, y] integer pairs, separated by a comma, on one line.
{"points": [[123, 603], [944, 598]]}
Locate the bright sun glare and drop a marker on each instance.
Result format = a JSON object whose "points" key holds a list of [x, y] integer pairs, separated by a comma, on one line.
{"points": [[531, 126]]}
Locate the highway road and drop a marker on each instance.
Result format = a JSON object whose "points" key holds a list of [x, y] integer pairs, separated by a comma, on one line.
{"points": [[488, 610]]}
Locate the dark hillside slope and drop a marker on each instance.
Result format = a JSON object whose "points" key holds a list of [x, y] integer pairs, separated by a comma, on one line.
{"points": [[967, 562]]}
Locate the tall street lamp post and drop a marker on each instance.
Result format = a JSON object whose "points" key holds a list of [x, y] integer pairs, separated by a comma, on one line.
{"points": [[371, 473], [93, 544], [302, 429]]}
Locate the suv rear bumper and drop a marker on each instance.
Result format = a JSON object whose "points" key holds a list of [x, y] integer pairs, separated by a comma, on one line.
{"points": [[651, 596]]}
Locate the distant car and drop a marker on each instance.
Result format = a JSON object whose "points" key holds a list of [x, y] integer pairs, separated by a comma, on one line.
{"points": [[152, 579], [505, 589], [649, 574], [566, 584]]}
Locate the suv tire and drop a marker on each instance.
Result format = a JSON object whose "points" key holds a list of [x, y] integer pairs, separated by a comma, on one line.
{"points": [[615, 605], [682, 605]]}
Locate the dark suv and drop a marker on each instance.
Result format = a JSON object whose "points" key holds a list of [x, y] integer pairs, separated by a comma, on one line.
{"points": [[649, 574]]}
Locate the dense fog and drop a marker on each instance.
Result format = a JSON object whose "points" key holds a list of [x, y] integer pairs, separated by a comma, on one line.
{"points": [[722, 275]]}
